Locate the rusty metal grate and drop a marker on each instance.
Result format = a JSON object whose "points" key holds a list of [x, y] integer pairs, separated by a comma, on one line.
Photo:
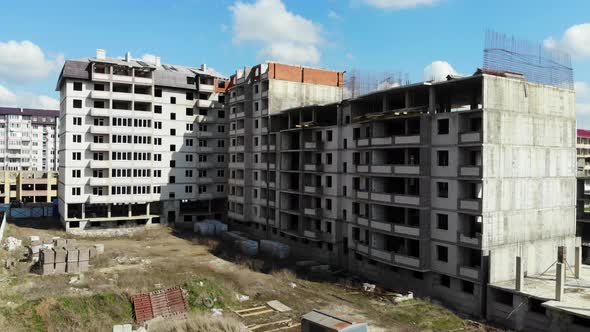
{"points": [[166, 303]]}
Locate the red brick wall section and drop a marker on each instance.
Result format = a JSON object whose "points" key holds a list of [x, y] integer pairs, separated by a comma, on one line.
{"points": [[284, 72]]}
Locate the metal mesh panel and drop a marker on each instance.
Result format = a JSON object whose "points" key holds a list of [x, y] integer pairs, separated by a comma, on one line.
{"points": [[537, 63]]}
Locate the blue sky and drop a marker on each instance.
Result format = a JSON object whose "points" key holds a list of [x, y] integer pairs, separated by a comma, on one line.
{"points": [[378, 35]]}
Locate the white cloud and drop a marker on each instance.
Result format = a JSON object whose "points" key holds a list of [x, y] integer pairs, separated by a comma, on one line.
{"points": [[24, 61], [438, 71], [26, 99], [575, 41], [285, 36], [398, 4], [582, 104]]}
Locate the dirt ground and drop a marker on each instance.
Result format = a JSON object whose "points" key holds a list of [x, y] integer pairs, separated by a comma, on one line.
{"points": [[160, 258]]}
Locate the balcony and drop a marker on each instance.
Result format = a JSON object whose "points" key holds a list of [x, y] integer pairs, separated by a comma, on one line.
{"points": [[470, 137], [143, 80], [410, 139], [394, 169], [406, 199], [100, 181], [309, 234], [101, 112], [313, 145], [362, 220], [143, 97], [382, 255], [312, 189], [406, 260], [100, 163], [470, 204], [313, 167], [122, 78], [360, 247], [313, 212], [406, 230], [100, 94], [127, 96], [470, 171], [206, 87], [469, 272], [99, 147], [468, 240], [100, 130]]}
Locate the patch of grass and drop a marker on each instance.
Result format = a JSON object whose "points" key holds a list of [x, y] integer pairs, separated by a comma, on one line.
{"points": [[23, 318], [99, 311], [198, 322], [201, 290], [426, 315]]}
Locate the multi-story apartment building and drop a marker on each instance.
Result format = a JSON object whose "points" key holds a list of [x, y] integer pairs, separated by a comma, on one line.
{"points": [[28, 139], [255, 95], [140, 142], [583, 192], [28, 186], [434, 187]]}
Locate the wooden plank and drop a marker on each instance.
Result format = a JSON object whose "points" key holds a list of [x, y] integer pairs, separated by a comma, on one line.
{"points": [[248, 309], [257, 326], [278, 306], [257, 313]]}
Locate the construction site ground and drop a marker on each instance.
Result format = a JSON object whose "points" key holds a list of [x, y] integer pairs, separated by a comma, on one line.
{"points": [[160, 258]]}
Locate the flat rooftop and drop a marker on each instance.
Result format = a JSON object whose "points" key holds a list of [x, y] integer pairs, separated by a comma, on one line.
{"points": [[542, 287]]}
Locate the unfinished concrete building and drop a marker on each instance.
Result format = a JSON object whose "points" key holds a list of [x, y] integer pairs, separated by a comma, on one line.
{"points": [[256, 94], [435, 187], [140, 143]]}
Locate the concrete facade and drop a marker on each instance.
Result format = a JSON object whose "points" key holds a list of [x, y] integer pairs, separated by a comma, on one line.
{"points": [[431, 187], [141, 143], [28, 186], [28, 139]]}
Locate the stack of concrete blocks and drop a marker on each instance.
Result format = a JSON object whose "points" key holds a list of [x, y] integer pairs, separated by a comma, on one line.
{"points": [[33, 250], [64, 257]]}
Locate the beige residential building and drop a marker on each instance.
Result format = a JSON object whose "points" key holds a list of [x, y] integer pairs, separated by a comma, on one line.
{"points": [[28, 186]]}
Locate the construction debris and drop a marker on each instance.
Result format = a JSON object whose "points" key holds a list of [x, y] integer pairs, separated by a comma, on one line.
{"points": [[398, 298], [278, 306], [369, 288], [242, 297], [168, 303], [12, 243]]}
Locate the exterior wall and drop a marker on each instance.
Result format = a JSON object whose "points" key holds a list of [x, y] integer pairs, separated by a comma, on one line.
{"points": [[28, 186], [142, 152], [28, 139], [288, 94], [525, 123]]}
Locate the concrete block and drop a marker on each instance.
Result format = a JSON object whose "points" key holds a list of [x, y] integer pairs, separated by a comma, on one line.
{"points": [[60, 255], [72, 255], [47, 245], [33, 238], [60, 268], [47, 256], [83, 266], [72, 267], [92, 252], [47, 269], [59, 243], [99, 248], [83, 254], [70, 242], [123, 328]]}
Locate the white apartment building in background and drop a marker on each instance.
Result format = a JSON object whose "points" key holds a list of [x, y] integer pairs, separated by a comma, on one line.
{"points": [[140, 143], [28, 139]]}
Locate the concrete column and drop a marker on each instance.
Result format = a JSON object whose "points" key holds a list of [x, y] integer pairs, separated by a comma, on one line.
{"points": [[519, 274], [129, 210], [578, 262], [432, 100], [407, 99], [83, 211], [559, 282], [385, 103], [109, 210], [147, 208]]}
